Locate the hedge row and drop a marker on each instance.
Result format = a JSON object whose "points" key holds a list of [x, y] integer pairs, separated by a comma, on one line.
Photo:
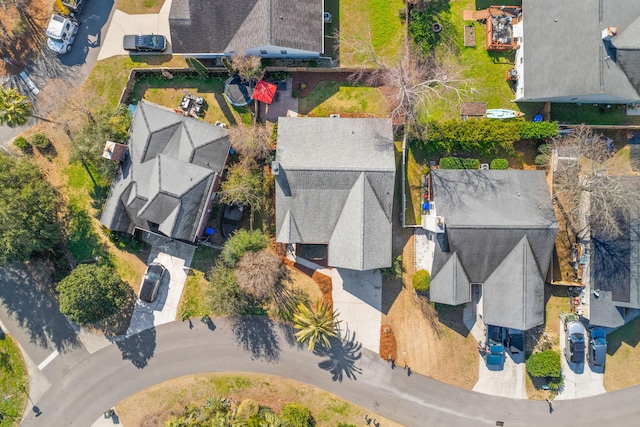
{"points": [[458, 163]]}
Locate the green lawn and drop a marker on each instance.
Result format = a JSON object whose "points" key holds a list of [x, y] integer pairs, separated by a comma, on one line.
{"points": [[623, 357], [133, 7], [14, 382], [195, 300], [380, 18], [341, 97], [593, 115]]}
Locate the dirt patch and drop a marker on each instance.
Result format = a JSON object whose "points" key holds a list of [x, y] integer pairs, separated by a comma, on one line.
{"points": [[323, 281], [388, 345], [22, 34]]}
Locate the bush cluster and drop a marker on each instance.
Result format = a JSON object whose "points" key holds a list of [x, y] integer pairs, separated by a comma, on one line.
{"points": [[40, 140], [458, 163], [538, 130], [544, 364], [296, 415], [22, 143], [421, 281], [484, 137], [500, 164]]}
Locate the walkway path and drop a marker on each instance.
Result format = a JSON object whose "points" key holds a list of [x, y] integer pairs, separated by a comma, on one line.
{"points": [[257, 345]]}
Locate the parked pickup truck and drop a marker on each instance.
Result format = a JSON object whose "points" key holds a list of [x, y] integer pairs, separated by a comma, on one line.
{"points": [[144, 43], [62, 32]]}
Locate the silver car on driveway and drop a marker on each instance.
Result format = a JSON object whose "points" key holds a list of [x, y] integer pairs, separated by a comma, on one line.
{"points": [[575, 342]]}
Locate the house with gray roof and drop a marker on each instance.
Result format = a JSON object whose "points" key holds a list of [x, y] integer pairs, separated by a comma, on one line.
{"points": [[266, 28], [334, 187], [583, 51], [614, 268], [493, 234], [166, 182]]}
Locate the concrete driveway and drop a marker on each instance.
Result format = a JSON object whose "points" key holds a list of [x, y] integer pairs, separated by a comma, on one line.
{"points": [[507, 382], [580, 380], [176, 258], [122, 23]]}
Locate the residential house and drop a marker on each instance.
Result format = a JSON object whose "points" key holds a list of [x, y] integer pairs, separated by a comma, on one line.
{"points": [[167, 180], [334, 187], [614, 268], [492, 235], [583, 51], [266, 28]]}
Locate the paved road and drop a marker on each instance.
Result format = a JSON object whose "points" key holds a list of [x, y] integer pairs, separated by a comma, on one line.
{"points": [[102, 379], [72, 68]]}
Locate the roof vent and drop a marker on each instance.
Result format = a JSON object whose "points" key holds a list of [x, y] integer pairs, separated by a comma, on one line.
{"points": [[609, 32], [275, 168]]}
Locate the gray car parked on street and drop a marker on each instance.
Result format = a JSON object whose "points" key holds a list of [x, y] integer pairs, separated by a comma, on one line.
{"points": [[575, 342]]}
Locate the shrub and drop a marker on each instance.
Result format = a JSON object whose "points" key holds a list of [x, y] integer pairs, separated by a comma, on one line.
{"points": [[394, 271], [458, 163], [538, 130], [421, 281], [224, 294], [544, 364], [194, 63], [543, 158], [484, 137], [22, 143], [40, 140], [247, 408], [241, 242], [500, 164], [296, 415]]}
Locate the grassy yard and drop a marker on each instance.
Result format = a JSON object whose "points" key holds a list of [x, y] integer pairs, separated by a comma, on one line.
{"points": [[194, 301], [380, 18], [154, 405], [623, 357], [344, 98], [133, 7], [14, 382], [591, 114], [109, 76]]}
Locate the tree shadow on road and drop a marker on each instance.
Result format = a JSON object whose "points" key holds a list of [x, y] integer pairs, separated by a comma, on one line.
{"points": [[138, 348], [257, 335], [343, 354], [27, 302]]}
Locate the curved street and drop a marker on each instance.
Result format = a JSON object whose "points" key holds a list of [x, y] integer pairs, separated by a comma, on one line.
{"points": [[100, 380]]}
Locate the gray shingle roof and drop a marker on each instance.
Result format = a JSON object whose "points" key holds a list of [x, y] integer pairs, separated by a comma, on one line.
{"points": [[564, 54], [219, 26], [335, 187], [500, 231], [615, 268], [168, 176]]}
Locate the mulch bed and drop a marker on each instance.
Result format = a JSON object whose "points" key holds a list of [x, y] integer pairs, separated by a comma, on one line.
{"points": [[388, 345]]}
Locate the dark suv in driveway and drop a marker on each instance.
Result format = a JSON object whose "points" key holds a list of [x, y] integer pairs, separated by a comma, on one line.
{"points": [[151, 282], [575, 342], [597, 347]]}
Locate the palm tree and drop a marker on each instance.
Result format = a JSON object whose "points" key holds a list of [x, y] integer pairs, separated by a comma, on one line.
{"points": [[315, 326], [15, 108]]}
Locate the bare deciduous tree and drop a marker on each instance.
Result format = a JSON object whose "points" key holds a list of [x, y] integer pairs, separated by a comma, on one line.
{"points": [[414, 79], [251, 142], [248, 67], [585, 182], [243, 186], [260, 274]]}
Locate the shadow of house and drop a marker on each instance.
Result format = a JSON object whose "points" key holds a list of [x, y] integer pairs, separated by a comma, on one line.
{"points": [[167, 180], [266, 28], [615, 267], [598, 44], [494, 233], [334, 186]]}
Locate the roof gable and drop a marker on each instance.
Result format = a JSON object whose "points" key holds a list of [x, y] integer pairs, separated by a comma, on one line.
{"points": [[451, 284]]}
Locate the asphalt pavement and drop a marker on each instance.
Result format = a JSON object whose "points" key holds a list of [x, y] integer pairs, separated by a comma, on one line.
{"points": [[172, 350]]}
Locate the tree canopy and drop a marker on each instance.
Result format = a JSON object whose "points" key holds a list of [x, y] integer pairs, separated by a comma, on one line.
{"points": [[92, 292], [29, 211], [15, 109], [243, 186], [544, 364]]}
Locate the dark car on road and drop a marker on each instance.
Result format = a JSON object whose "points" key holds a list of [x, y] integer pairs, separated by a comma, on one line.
{"points": [[231, 217], [575, 342], [144, 43], [597, 346], [151, 282]]}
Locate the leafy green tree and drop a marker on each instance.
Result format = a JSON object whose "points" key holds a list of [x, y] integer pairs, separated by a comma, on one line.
{"points": [[315, 326], [242, 241], [88, 144], [544, 364], [92, 292], [29, 211], [15, 109], [225, 295], [296, 415], [243, 186], [421, 281]]}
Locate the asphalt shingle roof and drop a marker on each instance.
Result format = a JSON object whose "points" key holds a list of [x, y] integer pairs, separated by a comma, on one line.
{"points": [[220, 26], [169, 174], [335, 187]]}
